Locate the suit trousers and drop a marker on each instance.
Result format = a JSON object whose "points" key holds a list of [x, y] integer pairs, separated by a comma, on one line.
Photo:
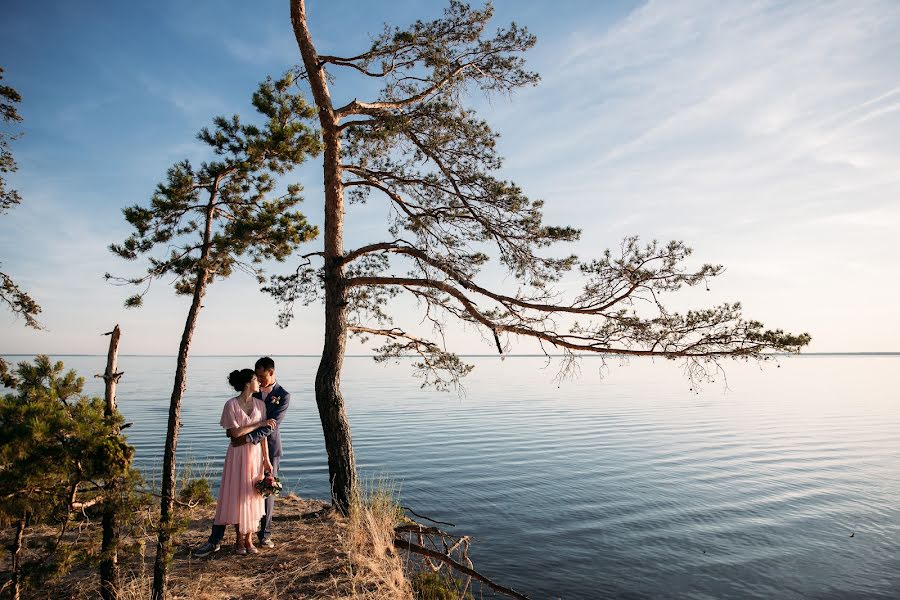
{"points": [[265, 524]]}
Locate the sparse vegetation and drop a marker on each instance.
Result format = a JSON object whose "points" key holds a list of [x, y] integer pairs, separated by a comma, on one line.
{"points": [[427, 585], [194, 488]]}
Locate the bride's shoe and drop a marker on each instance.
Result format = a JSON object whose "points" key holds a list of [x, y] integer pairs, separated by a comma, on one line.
{"points": [[240, 549], [252, 550]]}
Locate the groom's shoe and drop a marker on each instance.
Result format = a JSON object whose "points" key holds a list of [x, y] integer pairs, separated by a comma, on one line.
{"points": [[206, 549], [267, 543]]}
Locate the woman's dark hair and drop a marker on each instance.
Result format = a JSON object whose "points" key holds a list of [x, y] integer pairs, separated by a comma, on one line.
{"points": [[239, 379]]}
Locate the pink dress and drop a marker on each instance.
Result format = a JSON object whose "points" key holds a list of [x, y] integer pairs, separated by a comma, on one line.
{"points": [[239, 502]]}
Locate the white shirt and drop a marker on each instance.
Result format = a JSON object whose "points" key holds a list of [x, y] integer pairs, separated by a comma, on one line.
{"points": [[264, 394]]}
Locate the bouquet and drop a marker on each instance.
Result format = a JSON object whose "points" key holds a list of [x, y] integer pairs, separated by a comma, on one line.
{"points": [[269, 485]]}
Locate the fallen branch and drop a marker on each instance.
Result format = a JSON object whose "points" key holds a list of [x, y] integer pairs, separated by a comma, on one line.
{"points": [[421, 529], [427, 518], [407, 545]]}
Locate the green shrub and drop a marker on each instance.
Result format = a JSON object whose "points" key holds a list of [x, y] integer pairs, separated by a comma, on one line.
{"points": [[60, 457], [436, 586], [196, 491]]}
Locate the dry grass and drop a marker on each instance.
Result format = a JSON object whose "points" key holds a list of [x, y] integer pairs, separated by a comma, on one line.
{"points": [[318, 554], [377, 568]]}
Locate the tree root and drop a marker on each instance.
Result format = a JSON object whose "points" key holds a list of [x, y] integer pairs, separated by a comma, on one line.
{"points": [[407, 545], [450, 544]]}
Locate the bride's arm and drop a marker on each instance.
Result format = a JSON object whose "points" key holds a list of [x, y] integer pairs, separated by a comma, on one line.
{"points": [[237, 432]]}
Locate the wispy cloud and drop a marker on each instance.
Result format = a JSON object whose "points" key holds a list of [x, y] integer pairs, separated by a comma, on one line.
{"points": [[756, 131], [271, 46], [191, 99]]}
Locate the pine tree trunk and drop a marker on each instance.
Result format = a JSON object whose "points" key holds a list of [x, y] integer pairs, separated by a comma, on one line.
{"points": [[167, 491], [16, 549], [109, 565], [330, 401]]}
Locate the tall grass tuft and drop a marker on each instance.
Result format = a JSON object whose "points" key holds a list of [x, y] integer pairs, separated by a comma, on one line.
{"points": [[377, 568]]}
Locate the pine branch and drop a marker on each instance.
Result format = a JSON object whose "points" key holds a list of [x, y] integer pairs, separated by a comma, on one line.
{"points": [[19, 302]]}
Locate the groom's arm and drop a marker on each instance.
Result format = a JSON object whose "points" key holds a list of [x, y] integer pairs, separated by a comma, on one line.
{"points": [[276, 413]]}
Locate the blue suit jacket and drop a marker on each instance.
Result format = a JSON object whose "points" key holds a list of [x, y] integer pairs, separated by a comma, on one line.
{"points": [[276, 407]]}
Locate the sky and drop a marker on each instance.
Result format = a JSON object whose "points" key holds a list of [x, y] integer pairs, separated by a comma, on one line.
{"points": [[766, 135]]}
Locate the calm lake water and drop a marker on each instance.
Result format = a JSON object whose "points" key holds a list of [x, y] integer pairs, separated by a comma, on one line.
{"points": [[628, 485]]}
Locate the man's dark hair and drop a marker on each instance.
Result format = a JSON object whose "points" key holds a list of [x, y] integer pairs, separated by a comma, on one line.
{"points": [[265, 363]]}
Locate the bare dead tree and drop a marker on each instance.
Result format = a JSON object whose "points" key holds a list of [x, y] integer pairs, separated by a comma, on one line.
{"points": [[109, 550], [419, 149]]}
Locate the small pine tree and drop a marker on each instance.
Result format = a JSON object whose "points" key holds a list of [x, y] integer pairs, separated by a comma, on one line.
{"points": [[57, 447], [202, 223]]}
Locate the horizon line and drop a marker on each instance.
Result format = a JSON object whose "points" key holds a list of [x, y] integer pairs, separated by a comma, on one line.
{"points": [[587, 354]]}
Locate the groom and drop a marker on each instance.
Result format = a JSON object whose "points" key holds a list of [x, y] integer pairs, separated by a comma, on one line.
{"points": [[276, 399]]}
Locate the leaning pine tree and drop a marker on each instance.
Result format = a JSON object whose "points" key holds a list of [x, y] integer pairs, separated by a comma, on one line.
{"points": [[417, 148], [203, 223]]}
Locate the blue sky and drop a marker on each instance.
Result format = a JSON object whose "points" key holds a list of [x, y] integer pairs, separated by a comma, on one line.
{"points": [[764, 134]]}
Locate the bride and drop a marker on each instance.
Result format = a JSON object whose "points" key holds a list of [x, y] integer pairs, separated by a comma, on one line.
{"points": [[239, 502]]}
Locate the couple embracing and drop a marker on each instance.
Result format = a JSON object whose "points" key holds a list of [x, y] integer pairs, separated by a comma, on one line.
{"points": [[252, 421]]}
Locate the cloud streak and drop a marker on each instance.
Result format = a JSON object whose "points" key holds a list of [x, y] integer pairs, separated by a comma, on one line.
{"points": [[754, 130]]}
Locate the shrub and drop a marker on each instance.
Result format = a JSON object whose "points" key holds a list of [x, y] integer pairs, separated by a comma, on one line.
{"points": [[436, 586], [196, 491], [60, 455]]}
